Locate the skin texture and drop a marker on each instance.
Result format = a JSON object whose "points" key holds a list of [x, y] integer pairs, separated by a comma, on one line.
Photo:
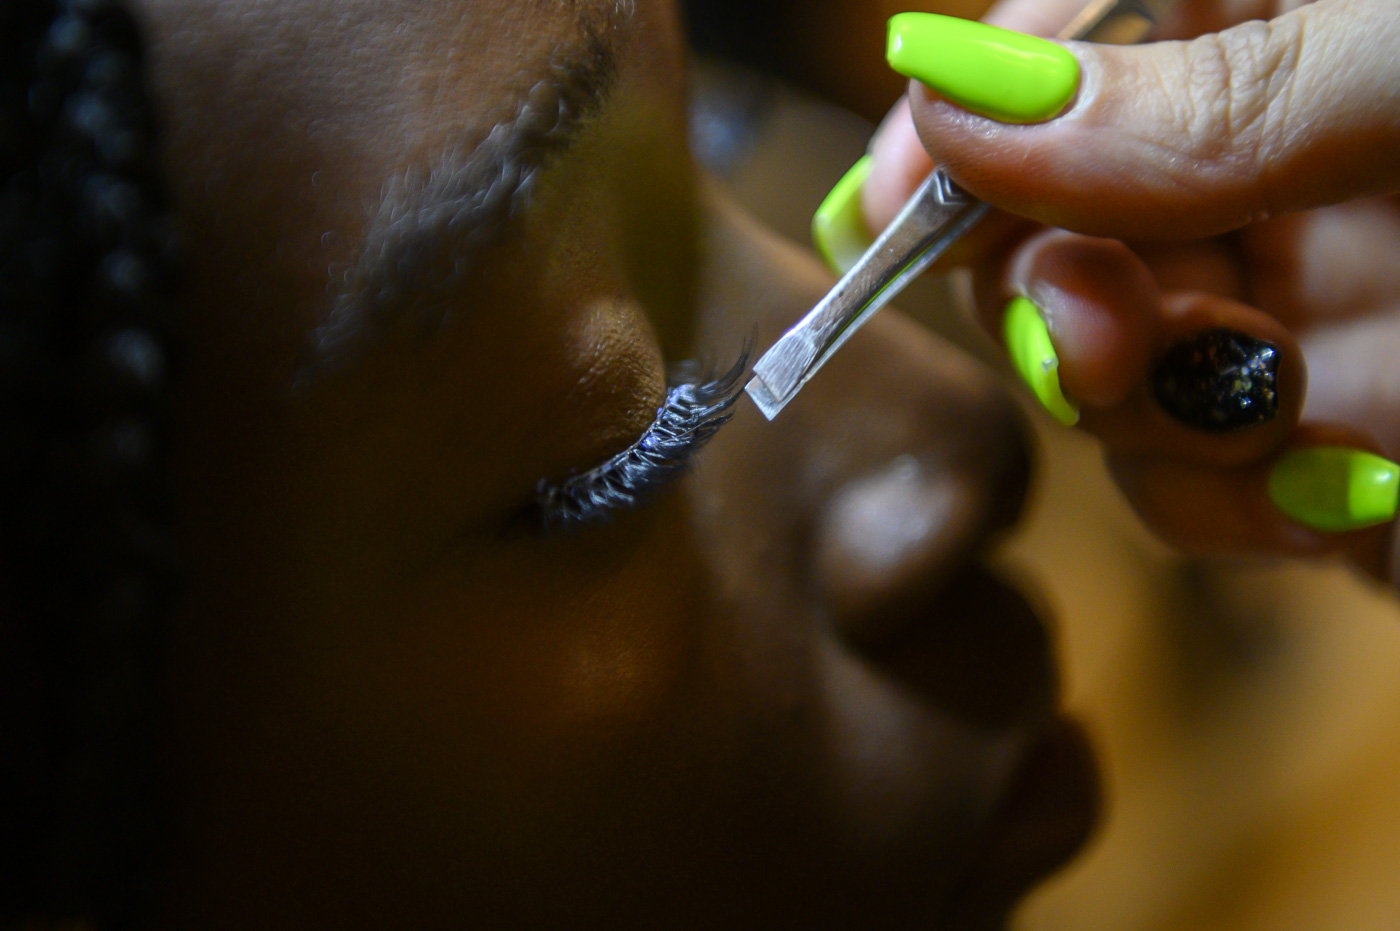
{"points": [[782, 694], [1237, 172]]}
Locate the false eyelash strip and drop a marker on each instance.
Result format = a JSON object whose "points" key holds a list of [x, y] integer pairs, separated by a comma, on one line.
{"points": [[692, 413]]}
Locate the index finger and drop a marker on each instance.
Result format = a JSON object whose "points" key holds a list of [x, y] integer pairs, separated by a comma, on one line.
{"points": [[1037, 17], [902, 163]]}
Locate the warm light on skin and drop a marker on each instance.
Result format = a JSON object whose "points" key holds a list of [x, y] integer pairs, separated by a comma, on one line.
{"points": [[395, 703]]}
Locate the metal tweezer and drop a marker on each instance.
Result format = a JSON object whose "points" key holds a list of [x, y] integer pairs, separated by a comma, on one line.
{"points": [[934, 218]]}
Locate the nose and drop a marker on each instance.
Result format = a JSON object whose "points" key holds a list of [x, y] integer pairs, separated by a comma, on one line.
{"points": [[928, 460], [883, 479], [888, 542]]}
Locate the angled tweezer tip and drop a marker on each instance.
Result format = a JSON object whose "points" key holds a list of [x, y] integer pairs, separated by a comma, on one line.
{"points": [[782, 371], [768, 403], [937, 214]]}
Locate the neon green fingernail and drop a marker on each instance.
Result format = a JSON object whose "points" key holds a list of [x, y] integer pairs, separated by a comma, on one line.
{"points": [[1034, 357], [1004, 75], [838, 227], [1334, 488]]}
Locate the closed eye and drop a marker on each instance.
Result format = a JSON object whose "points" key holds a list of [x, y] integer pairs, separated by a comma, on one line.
{"points": [[693, 411]]}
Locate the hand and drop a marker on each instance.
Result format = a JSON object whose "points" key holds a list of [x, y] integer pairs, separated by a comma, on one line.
{"points": [[1160, 147]]}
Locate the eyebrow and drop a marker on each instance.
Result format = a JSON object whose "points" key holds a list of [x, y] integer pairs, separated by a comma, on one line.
{"points": [[430, 229]]}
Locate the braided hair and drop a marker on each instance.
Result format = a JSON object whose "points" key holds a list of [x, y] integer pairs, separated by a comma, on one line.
{"points": [[86, 573]]}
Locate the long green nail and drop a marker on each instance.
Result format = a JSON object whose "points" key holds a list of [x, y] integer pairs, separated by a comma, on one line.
{"points": [[1004, 75], [1034, 357], [1334, 488], [838, 227]]}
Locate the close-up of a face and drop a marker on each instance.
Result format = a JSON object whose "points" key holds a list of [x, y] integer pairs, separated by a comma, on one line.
{"points": [[440, 260]]}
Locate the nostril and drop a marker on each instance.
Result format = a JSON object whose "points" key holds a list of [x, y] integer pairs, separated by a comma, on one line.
{"points": [[887, 542]]}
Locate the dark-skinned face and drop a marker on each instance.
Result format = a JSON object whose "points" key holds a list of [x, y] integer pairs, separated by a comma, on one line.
{"points": [[781, 693]]}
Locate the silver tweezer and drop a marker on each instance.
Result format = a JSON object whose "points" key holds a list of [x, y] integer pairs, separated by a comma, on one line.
{"points": [[933, 219]]}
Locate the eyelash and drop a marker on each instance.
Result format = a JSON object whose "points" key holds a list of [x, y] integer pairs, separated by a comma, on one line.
{"points": [[693, 411]]}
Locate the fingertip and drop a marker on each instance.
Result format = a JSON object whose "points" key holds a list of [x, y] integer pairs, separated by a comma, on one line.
{"points": [[1232, 339], [1202, 508], [839, 231], [899, 166], [1037, 17], [1220, 380], [1033, 356], [1340, 498], [1334, 488], [1002, 74], [1101, 306], [1115, 160], [1234, 386], [1343, 492], [1190, 377]]}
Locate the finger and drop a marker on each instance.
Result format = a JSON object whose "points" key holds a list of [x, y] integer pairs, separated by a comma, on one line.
{"points": [[1265, 486], [900, 165], [1211, 265], [863, 202], [900, 161], [1224, 386], [1208, 509], [885, 192], [1034, 17], [1354, 377], [1172, 139], [1326, 265], [1189, 376], [1099, 302]]}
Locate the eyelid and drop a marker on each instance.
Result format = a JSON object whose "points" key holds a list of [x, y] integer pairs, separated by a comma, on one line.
{"points": [[692, 413]]}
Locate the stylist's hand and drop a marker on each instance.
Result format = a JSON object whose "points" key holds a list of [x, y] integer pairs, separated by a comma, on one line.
{"points": [[1242, 176]]}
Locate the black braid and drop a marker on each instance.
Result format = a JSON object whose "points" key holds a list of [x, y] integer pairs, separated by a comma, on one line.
{"points": [[86, 574]]}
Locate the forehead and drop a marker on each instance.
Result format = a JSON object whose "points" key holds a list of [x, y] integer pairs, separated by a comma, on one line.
{"points": [[300, 34], [383, 70], [286, 122]]}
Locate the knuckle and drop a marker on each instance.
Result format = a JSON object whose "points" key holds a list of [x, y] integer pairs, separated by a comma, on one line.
{"points": [[1239, 95]]}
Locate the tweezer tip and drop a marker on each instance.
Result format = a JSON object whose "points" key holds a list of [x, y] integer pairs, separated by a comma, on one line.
{"points": [[763, 398]]}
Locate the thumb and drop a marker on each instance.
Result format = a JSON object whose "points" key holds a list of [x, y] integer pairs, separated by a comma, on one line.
{"points": [[1173, 139]]}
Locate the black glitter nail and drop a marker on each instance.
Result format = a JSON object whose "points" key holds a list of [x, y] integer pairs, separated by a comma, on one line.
{"points": [[1219, 381]]}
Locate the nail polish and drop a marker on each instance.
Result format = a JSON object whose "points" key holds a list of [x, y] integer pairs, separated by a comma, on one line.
{"points": [[1219, 381], [1034, 358], [1000, 74], [1333, 488], [838, 227]]}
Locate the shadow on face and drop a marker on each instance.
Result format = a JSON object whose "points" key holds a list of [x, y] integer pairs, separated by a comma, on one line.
{"points": [[440, 256]]}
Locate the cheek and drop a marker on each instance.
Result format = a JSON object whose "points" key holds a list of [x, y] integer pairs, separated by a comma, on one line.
{"points": [[526, 673], [479, 726]]}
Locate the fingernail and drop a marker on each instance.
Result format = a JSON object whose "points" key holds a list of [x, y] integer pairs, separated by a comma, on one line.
{"points": [[838, 227], [1219, 381], [1000, 74], [1334, 488], [1034, 357]]}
